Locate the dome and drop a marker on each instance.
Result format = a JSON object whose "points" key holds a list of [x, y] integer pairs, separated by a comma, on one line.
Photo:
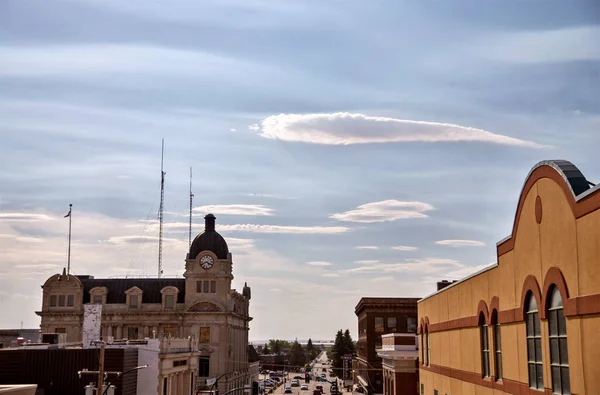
{"points": [[209, 240]]}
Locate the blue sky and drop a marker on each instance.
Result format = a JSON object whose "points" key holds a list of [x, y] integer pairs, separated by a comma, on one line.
{"points": [[347, 148]]}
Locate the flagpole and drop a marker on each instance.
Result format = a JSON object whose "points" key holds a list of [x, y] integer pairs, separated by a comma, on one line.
{"points": [[69, 253]]}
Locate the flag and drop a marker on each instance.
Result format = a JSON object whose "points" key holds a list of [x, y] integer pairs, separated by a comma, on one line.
{"points": [[68, 214]]}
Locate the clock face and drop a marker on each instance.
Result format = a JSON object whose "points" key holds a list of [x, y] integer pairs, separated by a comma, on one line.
{"points": [[206, 262]]}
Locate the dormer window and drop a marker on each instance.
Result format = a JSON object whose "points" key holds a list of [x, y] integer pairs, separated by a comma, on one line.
{"points": [[98, 295], [169, 297], [134, 297]]}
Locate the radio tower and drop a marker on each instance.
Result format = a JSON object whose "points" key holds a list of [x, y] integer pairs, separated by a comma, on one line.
{"points": [[161, 208], [191, 202]]}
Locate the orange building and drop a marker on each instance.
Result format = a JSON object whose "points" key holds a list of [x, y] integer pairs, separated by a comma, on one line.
{"points": [[531, 323]]}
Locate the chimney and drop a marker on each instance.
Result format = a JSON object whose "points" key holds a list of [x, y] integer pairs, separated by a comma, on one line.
{"points": [[209, 222], [443, 284]]}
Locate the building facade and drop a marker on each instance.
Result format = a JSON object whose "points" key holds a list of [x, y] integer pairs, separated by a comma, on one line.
{"points": [[377, 317], [528, 324], [399, 355], [201, 305]]}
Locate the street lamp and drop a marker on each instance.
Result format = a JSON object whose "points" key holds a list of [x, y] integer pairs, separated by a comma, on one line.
{"points": [[217, 379], [121, 375]]}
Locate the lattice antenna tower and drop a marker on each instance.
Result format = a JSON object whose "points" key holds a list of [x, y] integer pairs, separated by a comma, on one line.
{"points": [[191, 206], [161, 209]]}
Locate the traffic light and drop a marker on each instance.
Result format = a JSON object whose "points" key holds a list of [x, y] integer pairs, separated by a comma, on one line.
{"points": [[306, 378]]}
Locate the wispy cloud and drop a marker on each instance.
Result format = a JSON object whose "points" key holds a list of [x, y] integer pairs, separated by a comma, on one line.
{"points": [[466, 271], [366, 247], [346, 128], [235, 209], [283, 229], [366, 262], [319, 263], [384, 211], [425, 265], [382, 279], [330, 275], [39, 266], [24, 217], [138, 239], [460, 243], [404, 248]]}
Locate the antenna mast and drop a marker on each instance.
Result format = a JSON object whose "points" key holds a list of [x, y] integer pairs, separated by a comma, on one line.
{"points": [[161, 208], [191, 203]]}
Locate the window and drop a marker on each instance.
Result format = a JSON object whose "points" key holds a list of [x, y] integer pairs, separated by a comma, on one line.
{"points": [[204, 335], [70, 299], [198, 286], [428, 350], [165, 386], [52, 300], [485, 347], [132, 333], [133, 301], [169, 302], [422, 389], [391, 323], [559, 353], [204, 366], [213, 287], [423, 348], [169, 331], [181, 362], [97, 299], [411, 324], [60, 330], [61, 300], [378, 324], [191, 383], [534, 344], [206, 287], [378, 343], [497, 346]]}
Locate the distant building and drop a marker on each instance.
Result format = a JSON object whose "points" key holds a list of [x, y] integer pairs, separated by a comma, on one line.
{"points": [[172, 367], [530, 323], [377, 317], [18, 337], [201, 305]]}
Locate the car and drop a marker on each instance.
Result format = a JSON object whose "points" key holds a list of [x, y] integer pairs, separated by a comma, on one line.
{"points": [[288, 390], [298, 377], [320, 388], [295, 383], [323, 375], [304, 387]]}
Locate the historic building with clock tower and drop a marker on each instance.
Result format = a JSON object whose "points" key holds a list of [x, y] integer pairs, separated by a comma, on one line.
{"points": [[202, 304]]}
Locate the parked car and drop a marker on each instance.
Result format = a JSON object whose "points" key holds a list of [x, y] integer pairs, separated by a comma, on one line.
{"points": [[288, 390], [304, 387]]}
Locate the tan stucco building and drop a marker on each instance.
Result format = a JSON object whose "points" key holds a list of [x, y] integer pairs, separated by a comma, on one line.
{"points": [[529, 324], [201, 305]]}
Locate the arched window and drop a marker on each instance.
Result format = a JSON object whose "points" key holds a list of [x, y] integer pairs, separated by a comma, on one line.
{"points": [[427, 345], [423, 346], [534, 344], [559, 353], [497, 346], [485, 346]]}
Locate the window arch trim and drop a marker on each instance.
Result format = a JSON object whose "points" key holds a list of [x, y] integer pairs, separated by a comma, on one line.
{"points": [[530, 285], [555, 278], [482, 308]]}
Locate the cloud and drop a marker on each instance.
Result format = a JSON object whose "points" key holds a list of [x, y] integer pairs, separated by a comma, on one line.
{"points": [[425, 265], [254, 128], [386, 210], [138, 239], [239, 244], [24, 217], [460, 243], [366, 262], [345, 128], [546, 46], [382, 279], [319, 263], [404, 248], [466, 271], [232, 130], [330, 275], [288, 229], [41, 266], [236, 209], [276, 290], [366, 247]]}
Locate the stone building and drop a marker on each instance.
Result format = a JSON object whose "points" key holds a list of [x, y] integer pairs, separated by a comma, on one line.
{"points": [[528, 324], [201, 305], [377, 317]]}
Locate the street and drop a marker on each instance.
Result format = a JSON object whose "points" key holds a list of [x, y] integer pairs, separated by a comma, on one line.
{"points": [[317, 370]]}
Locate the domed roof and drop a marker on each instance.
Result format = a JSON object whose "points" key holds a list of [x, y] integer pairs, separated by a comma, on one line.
{"points": [[209, 240]]}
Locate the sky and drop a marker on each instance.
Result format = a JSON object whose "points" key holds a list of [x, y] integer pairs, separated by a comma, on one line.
{"points": [[347, 148]]}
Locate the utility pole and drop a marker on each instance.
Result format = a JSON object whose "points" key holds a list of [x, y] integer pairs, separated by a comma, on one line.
{"points": [[101, 369]]}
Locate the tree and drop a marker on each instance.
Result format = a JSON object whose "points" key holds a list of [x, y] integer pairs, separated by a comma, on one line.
{"points": [[297, 356], [278, 345], [343, 345], [311, 350], [266, 349]]}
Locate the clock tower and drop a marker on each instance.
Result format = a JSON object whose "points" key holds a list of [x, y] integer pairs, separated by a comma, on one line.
{"points": [[208, 268]]}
